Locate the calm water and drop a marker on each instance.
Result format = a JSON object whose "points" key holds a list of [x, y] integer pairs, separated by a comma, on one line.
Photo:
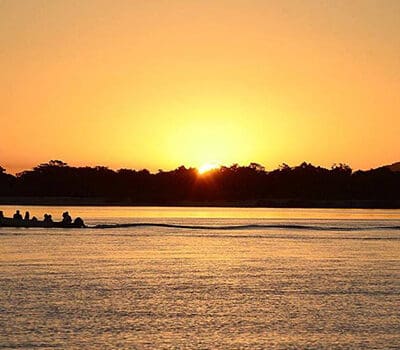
{"points": [[332, 285]]}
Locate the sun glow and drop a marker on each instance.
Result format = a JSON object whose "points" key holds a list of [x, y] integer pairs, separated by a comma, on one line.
{"points": [[206, 167]]}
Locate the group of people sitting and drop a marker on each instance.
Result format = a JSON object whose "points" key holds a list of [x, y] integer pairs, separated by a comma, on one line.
{"points": [[47, 220]]}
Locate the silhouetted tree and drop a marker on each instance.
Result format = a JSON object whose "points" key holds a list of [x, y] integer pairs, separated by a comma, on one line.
{"points": [[7, 182], [301, 183]]}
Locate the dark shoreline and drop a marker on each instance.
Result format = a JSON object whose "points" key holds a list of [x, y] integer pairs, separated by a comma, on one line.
{"points": [[261, 203]]}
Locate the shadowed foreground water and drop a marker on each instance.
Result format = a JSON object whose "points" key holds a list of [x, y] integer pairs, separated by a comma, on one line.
{"points": [[164, 287]]}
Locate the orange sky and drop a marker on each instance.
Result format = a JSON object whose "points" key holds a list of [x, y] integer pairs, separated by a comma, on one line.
{"points": [[158, 84]]}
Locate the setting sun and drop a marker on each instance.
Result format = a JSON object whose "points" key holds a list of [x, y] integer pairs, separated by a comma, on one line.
{"points": [[207, 167]]}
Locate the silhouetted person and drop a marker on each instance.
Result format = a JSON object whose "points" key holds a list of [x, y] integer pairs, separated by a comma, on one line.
{"points": [[79, 222], [1, 214], [17, 216], [48, 220], [34, 219], [67, 220], [27, 216]]}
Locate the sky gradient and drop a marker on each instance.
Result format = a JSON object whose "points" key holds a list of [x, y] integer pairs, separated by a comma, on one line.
{"points": [[156, 84]]}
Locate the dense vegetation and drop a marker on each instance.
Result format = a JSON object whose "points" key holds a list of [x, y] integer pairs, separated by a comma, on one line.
{"points": [[305, 182]]}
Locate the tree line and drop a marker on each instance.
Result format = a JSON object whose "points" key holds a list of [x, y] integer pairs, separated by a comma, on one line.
{"points": [[233, 183]]}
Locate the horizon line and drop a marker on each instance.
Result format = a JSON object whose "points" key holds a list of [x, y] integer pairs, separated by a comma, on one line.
{"points": [[60, 163]]}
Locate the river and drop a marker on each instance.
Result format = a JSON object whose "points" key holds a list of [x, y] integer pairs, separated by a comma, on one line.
{"points": [[263, 279]]}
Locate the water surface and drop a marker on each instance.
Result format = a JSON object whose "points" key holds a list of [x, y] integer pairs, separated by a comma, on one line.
{"points": [[155, 287]]}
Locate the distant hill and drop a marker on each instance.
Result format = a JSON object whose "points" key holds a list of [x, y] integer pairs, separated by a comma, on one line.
{"points": [[393, 167]]}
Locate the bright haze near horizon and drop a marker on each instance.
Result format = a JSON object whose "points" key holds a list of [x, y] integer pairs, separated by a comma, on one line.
{"points": [[156, 84]]}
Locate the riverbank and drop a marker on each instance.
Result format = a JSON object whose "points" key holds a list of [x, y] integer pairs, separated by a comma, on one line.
{"points": [[260, 203]]}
